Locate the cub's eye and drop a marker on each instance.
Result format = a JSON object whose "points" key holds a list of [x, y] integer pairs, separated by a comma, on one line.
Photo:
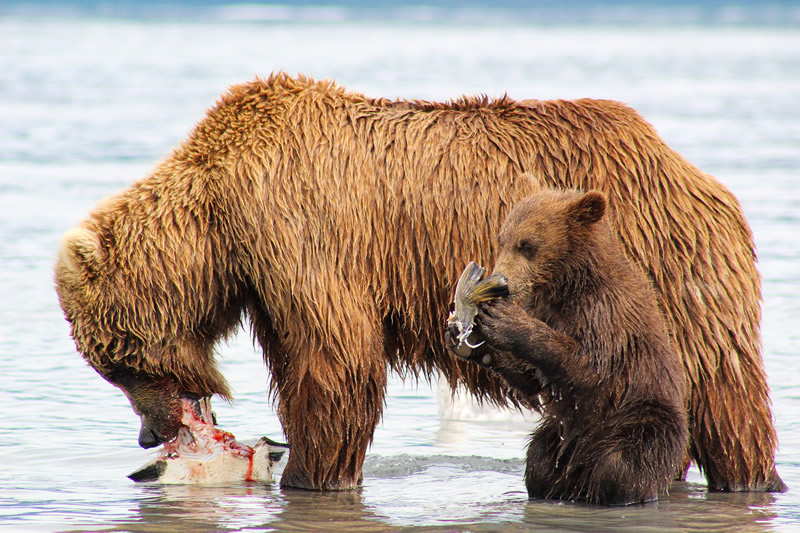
{"points": [[527, 246]]}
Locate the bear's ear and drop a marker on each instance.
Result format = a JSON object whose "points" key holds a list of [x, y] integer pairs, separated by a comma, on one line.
{"points": [[589, 208], [80, 249]]}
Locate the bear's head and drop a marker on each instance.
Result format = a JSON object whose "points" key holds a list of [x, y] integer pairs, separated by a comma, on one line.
{"points": [[545, 238], [130, 324]]}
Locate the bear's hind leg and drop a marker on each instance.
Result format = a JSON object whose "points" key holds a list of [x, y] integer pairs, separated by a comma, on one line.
{"points": [[543, 472], [733, 453], [632, 457]]}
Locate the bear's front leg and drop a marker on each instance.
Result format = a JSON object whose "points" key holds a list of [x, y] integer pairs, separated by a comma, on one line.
{"points": [[329, 416], [517, 373], [505, 326], [331, 382]]}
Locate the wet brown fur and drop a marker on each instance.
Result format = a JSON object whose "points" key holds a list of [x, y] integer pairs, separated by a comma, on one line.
{"points": [[338, 224], [594, 347]]}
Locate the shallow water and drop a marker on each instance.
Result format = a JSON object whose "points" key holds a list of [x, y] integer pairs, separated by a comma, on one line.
{"points": [[87, 105]]}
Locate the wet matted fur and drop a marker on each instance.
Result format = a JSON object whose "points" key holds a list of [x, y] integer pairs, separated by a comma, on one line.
{"points": [[338, 224]]}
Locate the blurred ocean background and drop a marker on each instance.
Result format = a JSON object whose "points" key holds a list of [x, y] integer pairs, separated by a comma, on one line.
{"points": [[92, 94]]}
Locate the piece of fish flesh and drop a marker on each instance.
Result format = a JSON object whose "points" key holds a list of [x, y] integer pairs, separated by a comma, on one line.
{"points": [[202, 453], [471, 291]]}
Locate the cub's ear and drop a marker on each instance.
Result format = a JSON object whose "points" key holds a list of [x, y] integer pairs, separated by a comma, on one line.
{"points": [[589, 208], [80, 249]]}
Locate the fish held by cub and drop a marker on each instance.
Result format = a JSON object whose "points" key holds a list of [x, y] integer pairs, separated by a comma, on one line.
{"points": [[471, 291], [202, 454]]}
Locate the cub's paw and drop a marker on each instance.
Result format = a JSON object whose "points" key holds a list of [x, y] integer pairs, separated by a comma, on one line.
{"points": [[500, 323], [462, 350], [468, 349]]}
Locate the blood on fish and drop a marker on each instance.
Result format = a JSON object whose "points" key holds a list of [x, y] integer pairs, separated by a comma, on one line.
{"points": [[203, 453], [249, 476]]}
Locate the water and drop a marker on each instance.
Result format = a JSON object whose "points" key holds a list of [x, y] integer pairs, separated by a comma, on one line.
{"points": [[88, 104]]}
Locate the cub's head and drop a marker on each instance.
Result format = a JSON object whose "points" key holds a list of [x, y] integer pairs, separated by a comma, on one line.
{"points": [[124, 311], [545, 237]]}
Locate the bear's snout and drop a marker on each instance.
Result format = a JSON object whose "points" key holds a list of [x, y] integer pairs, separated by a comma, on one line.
{"points": [[149, 438]]}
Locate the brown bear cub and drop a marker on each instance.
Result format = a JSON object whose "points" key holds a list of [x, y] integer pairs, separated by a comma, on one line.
{"points": [[580, 335]]}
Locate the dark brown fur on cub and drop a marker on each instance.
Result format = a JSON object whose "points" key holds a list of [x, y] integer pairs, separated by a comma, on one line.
{"points": [[581, 329]]}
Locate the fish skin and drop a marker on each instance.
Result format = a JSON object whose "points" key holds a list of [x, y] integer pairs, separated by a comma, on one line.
{"points": [[149, 472], [471, 291], [221, 468]]}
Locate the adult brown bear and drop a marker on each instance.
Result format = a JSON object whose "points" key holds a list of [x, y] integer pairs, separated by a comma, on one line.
{"points": [[337, 224]]}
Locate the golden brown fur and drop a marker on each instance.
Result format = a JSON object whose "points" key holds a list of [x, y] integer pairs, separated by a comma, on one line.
{"points": [[338, 225]]}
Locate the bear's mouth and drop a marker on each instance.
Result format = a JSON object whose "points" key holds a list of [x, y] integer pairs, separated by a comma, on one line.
{"points": [[197, 429], [151, 432]]}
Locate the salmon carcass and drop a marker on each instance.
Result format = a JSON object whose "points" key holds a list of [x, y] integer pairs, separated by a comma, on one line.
{"points": [[202, 453]]}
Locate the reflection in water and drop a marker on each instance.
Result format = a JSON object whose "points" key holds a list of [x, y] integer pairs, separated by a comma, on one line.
{"points": [[253, 506], [686, 509], [257, 507], [211, 508], [316, 511]]}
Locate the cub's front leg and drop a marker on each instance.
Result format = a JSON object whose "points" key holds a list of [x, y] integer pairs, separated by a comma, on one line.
{"points": [[507, 327], [519, 374]]}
